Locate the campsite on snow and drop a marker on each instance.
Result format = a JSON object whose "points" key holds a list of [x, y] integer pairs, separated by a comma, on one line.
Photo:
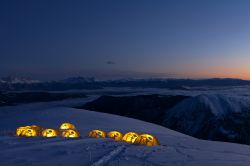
{"points": [[124, 83]]}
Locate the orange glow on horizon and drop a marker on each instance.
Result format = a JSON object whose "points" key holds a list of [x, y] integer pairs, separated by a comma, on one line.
{"points": [[218, 73]]}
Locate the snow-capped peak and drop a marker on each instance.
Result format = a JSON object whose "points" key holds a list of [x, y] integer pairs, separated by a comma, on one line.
{"points": [[215, 103]]}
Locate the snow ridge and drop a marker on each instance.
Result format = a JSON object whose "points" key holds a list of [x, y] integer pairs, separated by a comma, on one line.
{"points": [[218, 104], [105, 159]]}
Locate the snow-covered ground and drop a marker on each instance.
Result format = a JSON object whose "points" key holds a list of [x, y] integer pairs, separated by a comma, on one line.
{"points": [[176, 149]]}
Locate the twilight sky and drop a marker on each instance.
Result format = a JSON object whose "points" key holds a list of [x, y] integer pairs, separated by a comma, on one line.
{"points": [[125, 38]]}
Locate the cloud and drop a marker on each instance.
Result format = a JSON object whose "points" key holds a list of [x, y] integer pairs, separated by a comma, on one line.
{"points": [[110, 62]]}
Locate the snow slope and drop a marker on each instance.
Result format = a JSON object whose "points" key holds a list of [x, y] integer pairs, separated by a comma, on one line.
{"points": [[217, 104], [212, 116], [176, 149]]}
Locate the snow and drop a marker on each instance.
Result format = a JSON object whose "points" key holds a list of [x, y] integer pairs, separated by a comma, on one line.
{"points": [[107, 158], [218, 104], [212, 112], [176, 149], [221, 104]]}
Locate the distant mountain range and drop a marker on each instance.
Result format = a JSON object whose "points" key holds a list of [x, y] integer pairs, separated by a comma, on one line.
{"points": [[21, 83], [18, 80], [15, 98]]}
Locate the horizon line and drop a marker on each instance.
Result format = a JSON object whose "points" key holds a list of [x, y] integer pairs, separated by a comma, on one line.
{"points": [[124, 78]]}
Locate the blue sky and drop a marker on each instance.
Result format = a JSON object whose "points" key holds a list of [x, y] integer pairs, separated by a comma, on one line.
{"points": [[142, 38]]}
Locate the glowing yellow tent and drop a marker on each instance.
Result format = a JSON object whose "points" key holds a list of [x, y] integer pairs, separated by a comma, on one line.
{"points": [[66, 125], [70, 133], [29, 132], [116, 135], [130, 137], [50, 133], [97, 134], [34, 130], [147, 139]]}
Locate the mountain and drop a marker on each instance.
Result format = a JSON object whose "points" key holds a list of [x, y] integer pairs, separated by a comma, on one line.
{"points": [[213, 117], [150, 108], [76, 80], [183, 84], [13, 98], [175, 149], [18, 80], [207, 116], [20, 84]]}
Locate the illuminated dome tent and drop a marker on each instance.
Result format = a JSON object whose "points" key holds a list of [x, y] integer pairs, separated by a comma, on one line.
{"points": [[130, 137], [20, 130], [50, 133], [71, 133], [23, 131], [147, 139], [66, 125], [116, 135], [97, 134], [29, 132]]}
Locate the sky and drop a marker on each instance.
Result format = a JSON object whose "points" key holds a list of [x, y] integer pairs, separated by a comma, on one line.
{"points": [[125, 38]]}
